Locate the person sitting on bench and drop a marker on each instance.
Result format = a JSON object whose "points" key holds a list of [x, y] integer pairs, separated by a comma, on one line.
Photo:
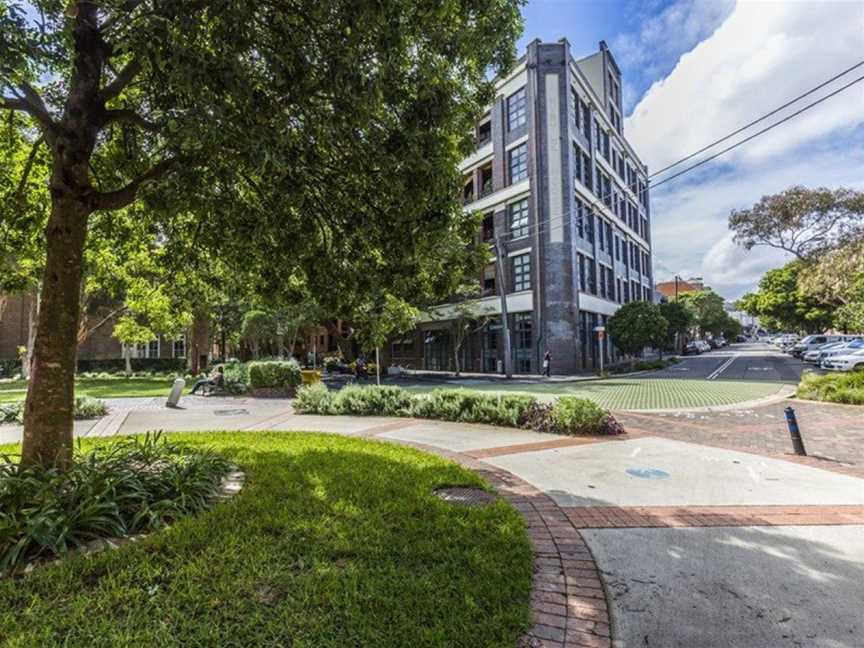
{"points": [[215, 379]]}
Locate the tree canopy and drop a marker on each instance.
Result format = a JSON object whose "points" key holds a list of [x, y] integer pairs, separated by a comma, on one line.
{"points": [[637, 325], [317, 137], [781, 304], [804, 222]]}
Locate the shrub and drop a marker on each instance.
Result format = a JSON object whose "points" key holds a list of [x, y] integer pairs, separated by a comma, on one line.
{"points": [[845, 388], [10, 368], [373, 401], [85, 408], [236, 377], [574, 415], [474, 407], [314, 399], [118, 365], [275, 374], [130, 486]]}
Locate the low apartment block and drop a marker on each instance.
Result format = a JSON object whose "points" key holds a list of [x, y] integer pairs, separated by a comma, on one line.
{"points": [[566, 206]]}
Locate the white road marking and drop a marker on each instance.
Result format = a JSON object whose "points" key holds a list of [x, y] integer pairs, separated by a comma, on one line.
{"points": [[719, 370]]}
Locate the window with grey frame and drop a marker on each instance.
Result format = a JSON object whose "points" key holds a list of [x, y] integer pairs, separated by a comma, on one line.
{"points": [[517, 158], [517, 109], [522, 325], [518, 214], [521, 272]]}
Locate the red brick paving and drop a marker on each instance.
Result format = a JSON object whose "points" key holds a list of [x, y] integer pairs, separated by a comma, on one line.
{"points": [[533, 447], [602, 517], [833, 434]]}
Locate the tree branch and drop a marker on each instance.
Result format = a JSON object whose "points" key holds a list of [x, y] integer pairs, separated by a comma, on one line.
{"points": [[28, 166], [123, 79], [129, 116], [126, 195]]}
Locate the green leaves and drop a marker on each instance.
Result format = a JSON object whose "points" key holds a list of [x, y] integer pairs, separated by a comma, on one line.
{"points": [[637, 325]]}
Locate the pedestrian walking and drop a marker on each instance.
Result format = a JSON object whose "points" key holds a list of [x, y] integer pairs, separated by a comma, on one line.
{"points": [[547, 363]]}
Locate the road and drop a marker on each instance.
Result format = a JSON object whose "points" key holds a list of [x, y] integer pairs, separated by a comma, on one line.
{"points": [[755, 362]]}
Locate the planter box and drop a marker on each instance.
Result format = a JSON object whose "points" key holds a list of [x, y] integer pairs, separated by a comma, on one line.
{"points": [[311, 376]]}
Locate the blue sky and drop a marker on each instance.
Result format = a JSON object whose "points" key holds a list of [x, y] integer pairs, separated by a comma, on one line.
{"points": [[695, 70]]}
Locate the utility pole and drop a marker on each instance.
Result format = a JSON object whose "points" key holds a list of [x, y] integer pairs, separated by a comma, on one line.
{"points": [[502, 293], [676, 287]]}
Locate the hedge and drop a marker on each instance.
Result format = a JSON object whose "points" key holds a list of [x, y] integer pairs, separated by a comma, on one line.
{"points": [[118, 365], [847, 388], [275, 374], [568, 415]]}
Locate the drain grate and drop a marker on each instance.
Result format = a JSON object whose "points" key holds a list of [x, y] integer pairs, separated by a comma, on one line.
{"points": [[464, 496], [230, 412]]}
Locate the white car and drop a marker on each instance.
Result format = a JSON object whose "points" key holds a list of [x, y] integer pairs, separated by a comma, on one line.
{"points": [[816, 355], [842, 349], [854, 361]]}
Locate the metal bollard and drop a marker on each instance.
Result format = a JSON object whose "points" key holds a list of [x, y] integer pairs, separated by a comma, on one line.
{"points": [[794, 432]]}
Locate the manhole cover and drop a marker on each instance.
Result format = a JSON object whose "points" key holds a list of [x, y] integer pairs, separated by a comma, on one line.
{"points": [[647, 473], [465, 496], [230, 412]]}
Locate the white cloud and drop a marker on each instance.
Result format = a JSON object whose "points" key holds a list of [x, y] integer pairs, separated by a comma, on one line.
{"points": [[762, 55]]}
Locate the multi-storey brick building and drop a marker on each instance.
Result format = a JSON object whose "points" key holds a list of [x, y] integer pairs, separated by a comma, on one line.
{"points": [[565, 202]]}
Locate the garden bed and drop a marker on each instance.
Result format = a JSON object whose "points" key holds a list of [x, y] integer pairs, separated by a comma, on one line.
{"points": [[567, 415], [332, 542], [847, 388]]}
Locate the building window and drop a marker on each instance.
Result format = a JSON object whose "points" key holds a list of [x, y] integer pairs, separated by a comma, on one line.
{"points": [[609, 237], [583, 284], [488, 227], [618, 293], [403, 347], [579, 210], [521, 272], [586, 172], [179, 349], [585, 113], [484, 133], [592, 277], [518, 163], [617, 249], [601, 235], [519, 218], [589, 223], [517, 110], [524, 341], [489, 279], [153, 349]]}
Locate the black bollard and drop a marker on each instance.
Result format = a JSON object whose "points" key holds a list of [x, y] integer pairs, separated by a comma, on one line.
{"points": [[794, 432]]}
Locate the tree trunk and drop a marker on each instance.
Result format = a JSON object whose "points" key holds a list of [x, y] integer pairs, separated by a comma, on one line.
{"points": [[50, 393], [127, 356]]}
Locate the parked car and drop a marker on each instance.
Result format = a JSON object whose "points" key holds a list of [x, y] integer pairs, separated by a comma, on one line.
{"points": [[843, 348], [713, 343], [721, 341], [853, 361], [815, 355], [703, 345], [812, 342], [743, 338], [692, 348]]}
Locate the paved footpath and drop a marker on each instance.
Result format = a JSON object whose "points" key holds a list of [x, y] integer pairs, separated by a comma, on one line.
{"points": [[686, 532]]}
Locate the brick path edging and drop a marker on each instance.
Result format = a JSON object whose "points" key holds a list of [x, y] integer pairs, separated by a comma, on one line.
{"points": [[569, 602]]}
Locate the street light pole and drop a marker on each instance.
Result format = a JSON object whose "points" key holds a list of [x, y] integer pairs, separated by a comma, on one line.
{"points": [[502, 293]]}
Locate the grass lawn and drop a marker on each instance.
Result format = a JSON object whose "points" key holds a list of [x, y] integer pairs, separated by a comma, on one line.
{"points": [[332, 542], [98, 388], [625, 393]]}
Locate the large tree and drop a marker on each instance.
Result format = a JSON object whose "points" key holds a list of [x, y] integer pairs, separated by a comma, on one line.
{"points": [[637, 325], [781, 304], [679, 319], [706, 308], [837, 279], [295, 130], [803, 222]]}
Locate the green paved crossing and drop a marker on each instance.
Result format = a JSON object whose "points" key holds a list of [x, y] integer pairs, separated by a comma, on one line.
{"points": [[634, 393]]}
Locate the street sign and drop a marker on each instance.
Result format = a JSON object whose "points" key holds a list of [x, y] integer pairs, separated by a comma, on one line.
{"points": [[599, 329]]}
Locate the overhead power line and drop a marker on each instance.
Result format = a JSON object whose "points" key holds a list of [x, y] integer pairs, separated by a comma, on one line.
{"points": [[760, 119], [758, 133]]}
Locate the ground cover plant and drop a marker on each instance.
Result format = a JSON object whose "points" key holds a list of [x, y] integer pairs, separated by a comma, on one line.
{"points": [[568, 415], [332, 542], [845, 388], [127, 486], [85, 408]]}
